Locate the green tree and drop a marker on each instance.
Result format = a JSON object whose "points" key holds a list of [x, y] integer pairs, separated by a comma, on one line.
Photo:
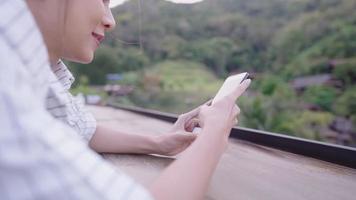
{"points": [[306, 124], [130, 59], [345, 105], [322, 96], [105, 62], [214, 53], [346, 72]]}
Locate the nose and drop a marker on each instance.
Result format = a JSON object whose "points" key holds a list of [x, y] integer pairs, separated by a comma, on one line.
{"points": [[109, 21]]}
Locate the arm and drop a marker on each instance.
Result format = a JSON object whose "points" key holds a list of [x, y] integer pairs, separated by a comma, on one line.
{"points": [[107, 140], [111, 141], [198, 161], [193, 170]]}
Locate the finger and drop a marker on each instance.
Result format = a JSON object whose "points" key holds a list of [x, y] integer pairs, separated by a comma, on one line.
{"points": [[240, 89], [195, 112], [184, 118], [236, 121], [187, 137], [236, 111], [179, 123], [191, 137], [191, 114], [192, 124], [188, 126]]}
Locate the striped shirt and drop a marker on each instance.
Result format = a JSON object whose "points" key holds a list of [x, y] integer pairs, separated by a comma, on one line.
{"points": [[40, 156], [63, 106]]}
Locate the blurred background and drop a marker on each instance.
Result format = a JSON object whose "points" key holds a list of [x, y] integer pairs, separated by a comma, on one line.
{"points": [[173, 57]]}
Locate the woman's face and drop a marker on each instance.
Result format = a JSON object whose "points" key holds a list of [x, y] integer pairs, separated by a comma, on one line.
{"points": [[85, 24]]}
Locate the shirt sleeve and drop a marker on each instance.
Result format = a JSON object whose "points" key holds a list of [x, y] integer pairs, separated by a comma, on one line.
{"points": [[65, 107], [41, 157]]}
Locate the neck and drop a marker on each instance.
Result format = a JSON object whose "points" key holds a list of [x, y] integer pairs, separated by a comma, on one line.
{"points": [[46, 15]]}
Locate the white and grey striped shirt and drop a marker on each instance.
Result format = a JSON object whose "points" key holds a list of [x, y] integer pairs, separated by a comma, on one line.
{"points": [[40, 156], [63, 106]]}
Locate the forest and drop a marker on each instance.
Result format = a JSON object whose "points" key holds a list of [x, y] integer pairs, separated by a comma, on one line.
{"points": [[301, 55]]}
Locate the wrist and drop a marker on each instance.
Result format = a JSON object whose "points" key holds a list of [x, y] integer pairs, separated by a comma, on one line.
{"points": [[219, 131], [149, 144], [155, 143], [215, 137]]}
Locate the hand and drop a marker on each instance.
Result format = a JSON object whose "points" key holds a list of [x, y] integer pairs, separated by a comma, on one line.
{"points": [[180, 136], [222, 115], [188, 121], [174, 143]]}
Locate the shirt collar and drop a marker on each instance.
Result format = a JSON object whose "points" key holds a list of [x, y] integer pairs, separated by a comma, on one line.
{"points": [[63, 75]]}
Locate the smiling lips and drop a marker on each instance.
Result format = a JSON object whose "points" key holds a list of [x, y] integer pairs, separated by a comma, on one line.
{"points": [[98, 38]]}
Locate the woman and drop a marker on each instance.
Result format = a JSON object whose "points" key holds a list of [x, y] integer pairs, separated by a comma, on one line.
{"points": [[73, 30], [76, 39]]}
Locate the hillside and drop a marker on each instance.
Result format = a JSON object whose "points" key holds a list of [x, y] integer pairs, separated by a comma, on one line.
{"points": [[302, 54]]}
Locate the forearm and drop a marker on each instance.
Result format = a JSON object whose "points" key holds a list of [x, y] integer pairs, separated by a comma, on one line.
{"points": [[106, 140], [191, 173]]}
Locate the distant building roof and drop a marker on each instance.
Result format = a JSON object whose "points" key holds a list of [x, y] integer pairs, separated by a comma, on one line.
{"points": [[118, 90], [303, 82], [342, 125]]}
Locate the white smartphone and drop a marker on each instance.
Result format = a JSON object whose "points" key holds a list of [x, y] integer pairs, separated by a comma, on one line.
{"points": [[230, 85]]}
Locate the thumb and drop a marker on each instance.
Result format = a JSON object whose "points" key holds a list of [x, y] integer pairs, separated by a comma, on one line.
{"points": [[192, 124], [187, 136], [186, 117]]}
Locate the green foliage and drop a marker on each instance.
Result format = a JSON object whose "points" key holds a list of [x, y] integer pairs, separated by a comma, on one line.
{"points": [[269, 84], [254, 113], [213, 52], [306, 124], [346, 72], [105, 62], [268, 110], [276, 40], [345, 105], [130, 59], [85, 89], [173, 47], [110, 60], [131, 78], [322, 96], [184, 76], [172, 86], [308, 29], [337, 46]]}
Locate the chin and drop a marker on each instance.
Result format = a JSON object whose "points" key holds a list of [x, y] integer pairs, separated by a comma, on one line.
{"points": [[84, 57]]}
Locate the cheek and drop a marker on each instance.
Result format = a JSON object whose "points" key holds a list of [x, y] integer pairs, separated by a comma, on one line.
{"points": [[81, 22], [79, 48], [79, 45], [84, 51], [94, 12]]}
